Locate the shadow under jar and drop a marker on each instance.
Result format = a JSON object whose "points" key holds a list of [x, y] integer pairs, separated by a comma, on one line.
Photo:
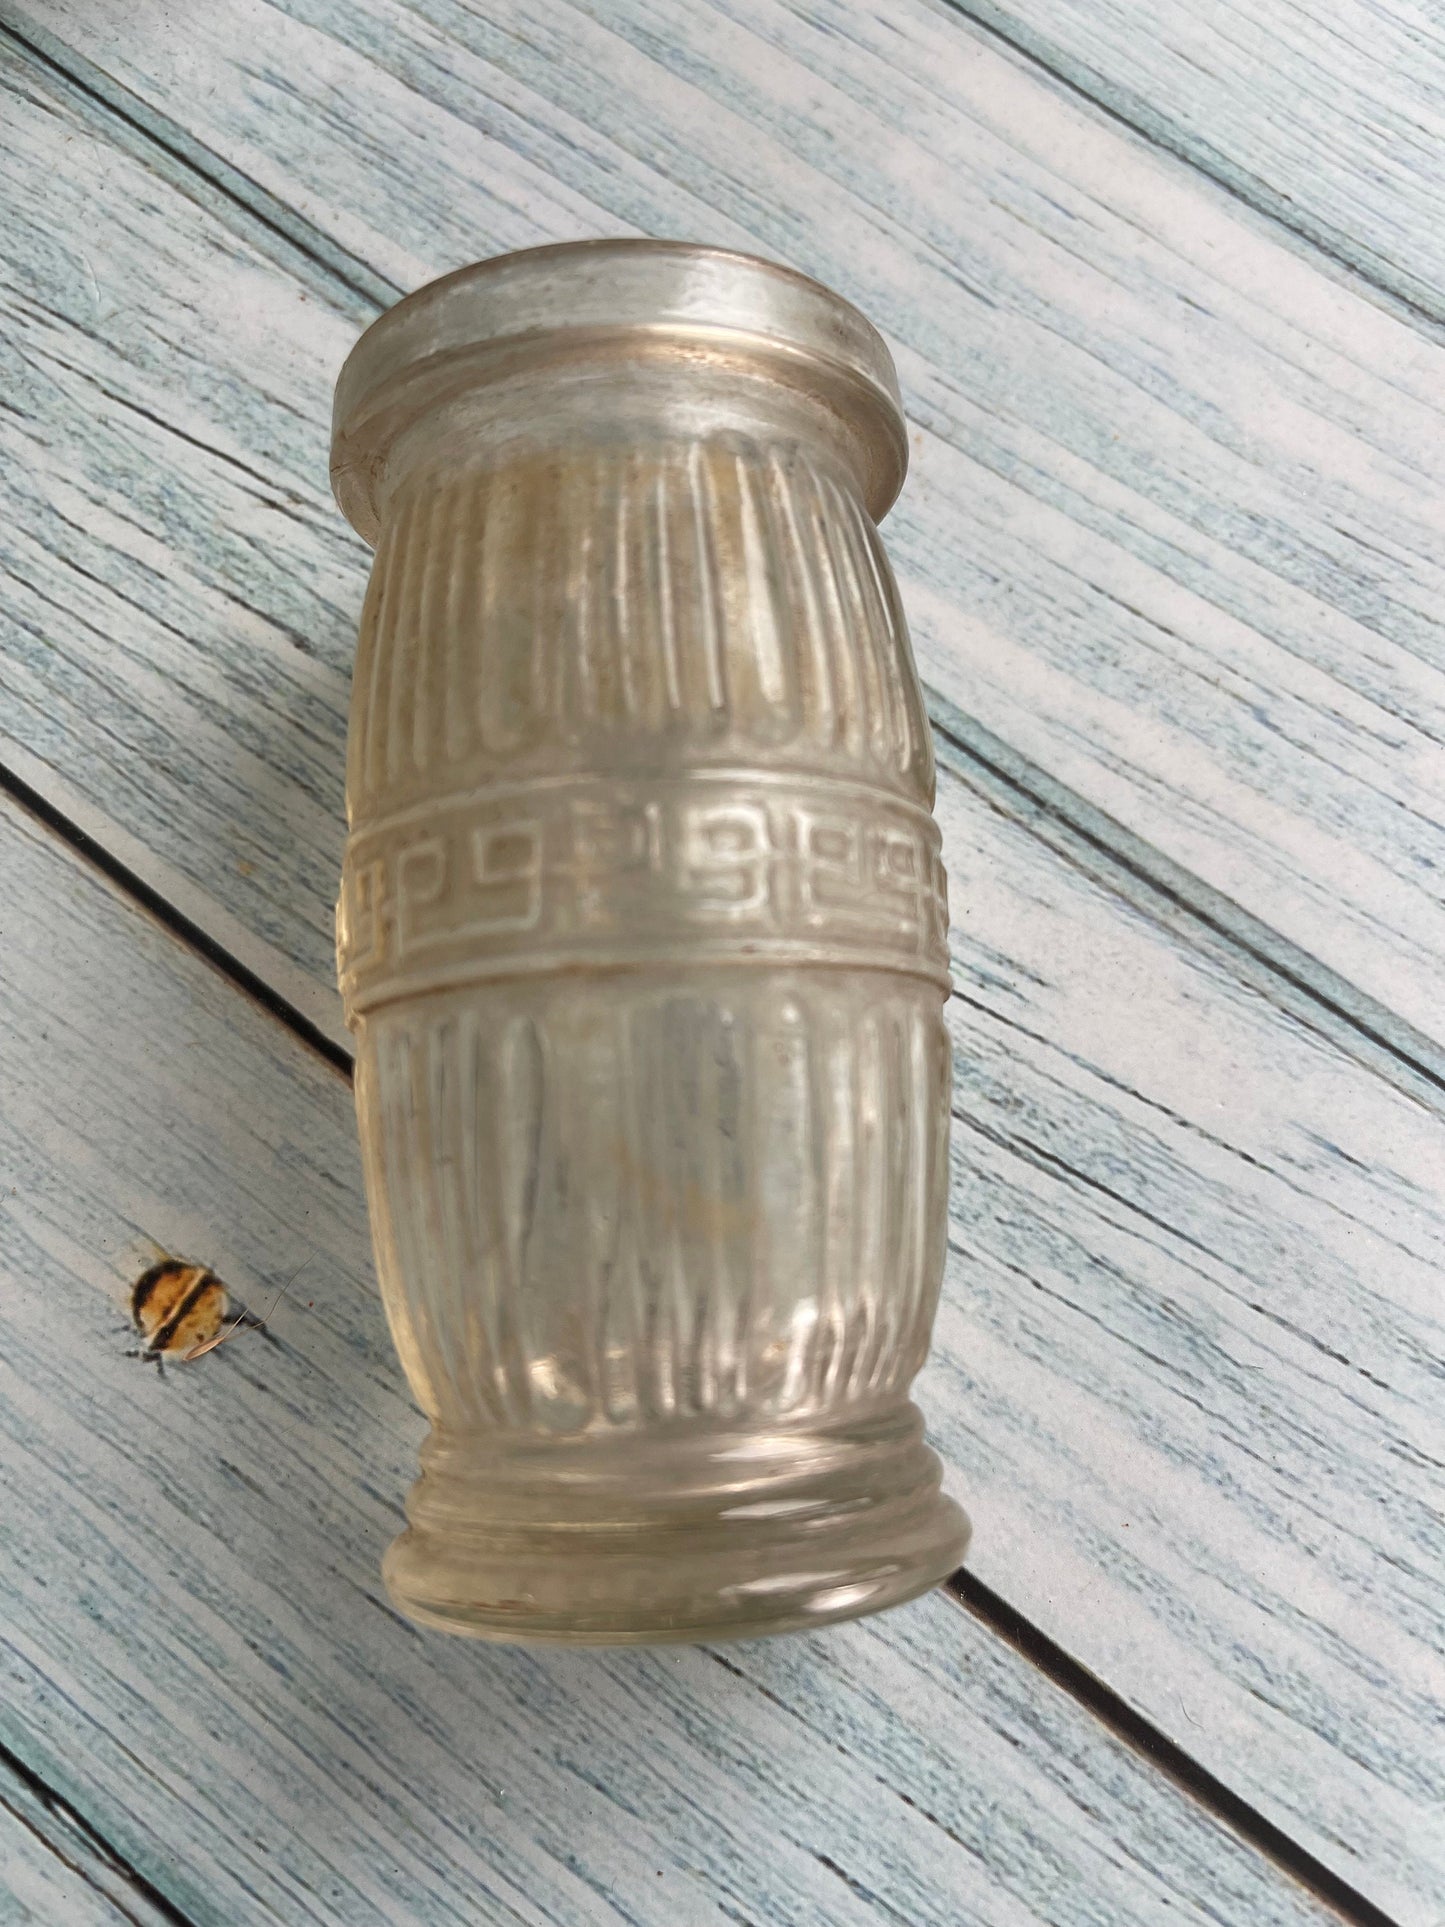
{"points": [[642, 935]]}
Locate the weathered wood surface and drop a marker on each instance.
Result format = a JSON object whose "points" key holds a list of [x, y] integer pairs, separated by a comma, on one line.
{"points": [[1328, 115], [1173, 528], [1183, 1371], [196, 1654], [180, 593], [54, 1873], [1187, 1366], [1184, 1375]]}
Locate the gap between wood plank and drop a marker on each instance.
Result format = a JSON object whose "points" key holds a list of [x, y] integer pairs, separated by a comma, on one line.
{"points": [[1142, 1736], [201, 166], [190, 933], [1002, 1619], [66, 1816], [1367, 1030], [162, 132], [1129, 861], [1132, 868], [1117, 105]]}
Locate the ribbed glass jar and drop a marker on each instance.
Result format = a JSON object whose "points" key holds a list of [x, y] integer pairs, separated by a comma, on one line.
{"points": [[642, 935]]}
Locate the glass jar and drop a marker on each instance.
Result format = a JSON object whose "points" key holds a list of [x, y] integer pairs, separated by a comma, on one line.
{"points": [[642, 936]]}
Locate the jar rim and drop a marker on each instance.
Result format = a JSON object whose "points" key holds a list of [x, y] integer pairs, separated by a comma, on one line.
{"points": [[681, 291]]}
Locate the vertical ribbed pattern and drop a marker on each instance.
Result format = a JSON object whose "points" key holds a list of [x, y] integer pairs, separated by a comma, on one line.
{"points": [[652, 1202], [729, 599], [699, 1189]]}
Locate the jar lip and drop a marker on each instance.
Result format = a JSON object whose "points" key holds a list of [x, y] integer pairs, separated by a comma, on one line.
{"points": [[682, 289]]}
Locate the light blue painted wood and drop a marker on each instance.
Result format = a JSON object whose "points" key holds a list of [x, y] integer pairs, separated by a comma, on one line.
{"points": [[1195, 1281], [55, 1873], [1329, 117], [1187, 1363], [1171, 531], [195, 1652], [1194, 1287]]}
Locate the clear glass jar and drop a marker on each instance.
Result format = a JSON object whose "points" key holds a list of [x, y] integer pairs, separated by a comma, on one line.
{"points": [[642, 935]]}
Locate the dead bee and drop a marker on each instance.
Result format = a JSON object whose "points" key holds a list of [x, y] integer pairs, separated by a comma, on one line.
{"points": [[184, 1311]]}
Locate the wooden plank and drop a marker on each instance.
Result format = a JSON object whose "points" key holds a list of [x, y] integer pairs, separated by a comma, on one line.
{"points": [[1172, 529], [195, 1650], [1328, 115], [1194, 1286], [1186, 1367], [55, 1873], [180, 603], [38, 1889], [1199, 1182]]}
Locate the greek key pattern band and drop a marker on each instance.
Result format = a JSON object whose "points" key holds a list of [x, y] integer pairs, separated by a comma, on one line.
{"points": [[713, 866]]}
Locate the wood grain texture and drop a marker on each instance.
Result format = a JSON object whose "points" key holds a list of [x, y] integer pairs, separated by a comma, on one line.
{"points": [[56, 1874], [1173, 527], [1328, 115], [164, 656], [1186, 1371], [1222, 1230], [39, 1889], [195, 1650], [1187, 1365]]}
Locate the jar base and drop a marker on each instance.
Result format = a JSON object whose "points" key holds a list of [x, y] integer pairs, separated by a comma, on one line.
{"points": [[561, 1542]]}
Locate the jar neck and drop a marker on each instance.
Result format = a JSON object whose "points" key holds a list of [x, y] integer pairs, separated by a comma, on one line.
{"points": [[641, 400]]}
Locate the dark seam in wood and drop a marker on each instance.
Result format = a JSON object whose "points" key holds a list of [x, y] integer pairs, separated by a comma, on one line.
{"points": [[254, 202], [1264, 202], [190, 933], [1417, 1055], [1051, 1164], [55, 1803], [182, 1311], [1004, 1620], [1142, 1736]]}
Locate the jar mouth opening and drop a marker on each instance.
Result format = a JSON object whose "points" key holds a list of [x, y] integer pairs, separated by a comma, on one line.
{"points": [[550, 299]]}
